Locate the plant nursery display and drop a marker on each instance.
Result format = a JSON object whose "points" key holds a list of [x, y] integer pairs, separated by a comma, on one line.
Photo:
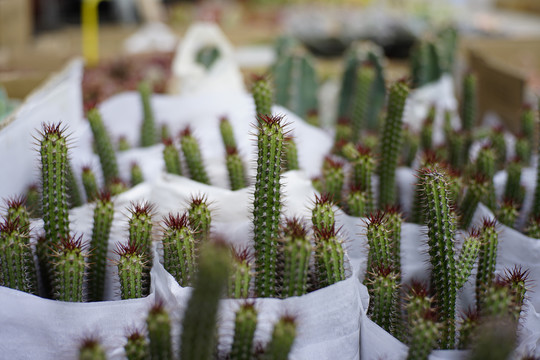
{"points": [[230, 225]]}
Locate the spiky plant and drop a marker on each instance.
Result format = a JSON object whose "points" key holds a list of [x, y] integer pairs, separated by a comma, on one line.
{"points": [[363, 164], [171, 157], [136, 175], [199, 323], [508, 212], [469, 323], [148, 127], [430, 160], [523, 149], [518, 281], [132, 271], [235, 168], [136, 347], [468, 102], [528, 125], [179, 248], [165, 132], [103, 218], [378, 241], [104, 147], [245, 323], [17, 211], [123, 144], [365, 78], [267, 201], [334, 178], [426, 134], [487, 259], [457, 151], [227, 133], [118, 186], [383, 290], [424, 332], [140, 227], [158, 324], [291, 155], [241, 274], [74, 195], [89, 183], [91, 349], [322, 214], [499, 146], [329, 256], [200, 217], [486, 167], [513, 190], [357, 202], [411, 143], [282, 339], [394, 220], [33, 201], [262, 95], [296, 251], [477, 189], [391, 143], [193, 156], [69, 267], [417, 301]]}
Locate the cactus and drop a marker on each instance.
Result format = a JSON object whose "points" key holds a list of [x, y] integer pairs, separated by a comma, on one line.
{"points": [[69, 267], [159, 333], [417, 301], [425, 62], [383, 289], [508, 213], [497, 299], [468, 102], [136, 174], [430, 161], [322, 214], [193, 156], [245, 323], [517, 280], [426, 135], [329, 256], [469, 323], [295, 83], [148, 127], [140, 228], [171, 157], [495, 339], [33, 201], [499, 146], [394, 220], [533, 228], [363, 165], [364, 82], [487, 260], [165, 133], [424, 333], [343, 130], [267, 202], [117, 186], [123, 144], [282, 339], [17, 269], [523, 149], [74, 195], [296, 252], [103, 217], [410, 146], [358, 202], [54, 162], [179, 248], [199, 324], [477, 190], [485, 166], [235, 168], [17, 211], [334, 178], [45, 267], [89, 183], [378, 241], [457, 152], [262, 95], [291, 155], [136, 347], [241, 273], [132, 271], [513, 191], [200, 217], [104, 148], [91, 349], [391, 144], [227, 133], [528, 125]]}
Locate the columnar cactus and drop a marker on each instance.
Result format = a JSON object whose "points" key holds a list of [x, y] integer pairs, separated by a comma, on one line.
{"points": [[487, 260], [296, 250], [241, 273], [517, 279], [329, 256], [357, 202], [179, 248], [117, 186], [140, 227], [469, 323], [417, 301], [227, 133], [89, 183], [523, 149], [394, 220], [200, 217], [425, 62], [17, 269], [17, 211], [291, 155], [136, 175], [391, 144], [282, 339], [365, 78], [499, 146], [123, 144], [262, 95], [136, 347], [508, 212], [148, 127], [468, 102], [430, 161], [69, 268], [91, 349], [104, 148], [74, 194], [334, 178], [383, 290], [245, 324], [236, 169], [159, 333], [513, 190], [54, 162], [411, 143], [363, 164], [199, 324], [132, 271], [33, 201], [528, 125], [457, 151], [193, 156], [380, 253], [322, 214], [171, 157], [486, 167], [103, 217], [165, 133], [424, 332], [267, 202], [478, 188]]}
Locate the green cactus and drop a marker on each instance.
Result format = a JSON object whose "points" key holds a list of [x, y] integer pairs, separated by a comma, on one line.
{"points": [[478, 188], [533, 228], [495, 339], [179, 248], [171, 157], [45, 267], [391, 144], [296, 251], [33, 201], [104, 148], [284, 44], [425, 62], [426, 135], [282, 339], [517, 280], [334, 178], [136, 347], [357, 202], [103, 218], [487, 260], [394, 220], [262, 95], [424, 333], [245, 323], [513, 190], [136, 174], [193, 156], [383, 289], [89, 183], [227, 133], [140, 227], [148, 127], [486, 167], [199, 324], [322, 214], [123, 144], [241, 274], [74, 195], [417, 301], [165, 133], [69, 268], [523, 149], [132, 271], [291, 155], [467, 257], [431, 161], [91, 349], [117, 186], [411, 143], [343, 134], [457, 152], [508, 213], [363, 165], [469, 323], [159, 333], [365, 79], [267, 202], [329, 256], [378, 240], [528, 125], [236, 169], [497, 299], [468, 102], [17, 211], [17, 270], [54, 162], [200, 217], [499, 146]]}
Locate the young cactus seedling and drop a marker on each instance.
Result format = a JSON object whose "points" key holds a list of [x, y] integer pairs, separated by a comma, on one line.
{"points": [[123, 143], [132, 271], [296, 251], [117, 187], [478, 189], [469, 323], [89, 183], [262, 95], [193, 156], [329, 256], [241, 273], [104, 147], [282, 339], [357, 202], [363, 165], [523, 149], [236, 169], [245, 324], [17, 211], [200, 217], [148, 127], [468, 102], [383, 290], [322, 214], [267, 202], [158, 324], [513, 190], [378, 239], [508, 213], [171, 157], [69, 268], [179, 248], [136, 347]]}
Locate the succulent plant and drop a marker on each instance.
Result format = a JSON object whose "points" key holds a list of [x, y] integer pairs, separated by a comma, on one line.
{"points": [[74, 195], [262, 95], [291, 155], [267, 202], [69, 268], [136, 175], [140, 228], [193, 156], [104, 148], [179, 248], [117, 186], [18, 212], [132, 271], [33, 201], [513, 190], [123, 144], [477, 189], [171, 157], [424, 332], [468, 102], [363, 164], [499, 146], [295, 248], [148, 127], [365, 79], [411, 143], [508, 212], [425, 62], [378, 234], [322, 214], [89, 183], [334, 178], [245, 323], [383, 289], [91, 349], [426, 134], [236, 169], [227, 133], [329, 256], [200, 217], [158, 324], [136, 347], [282, 339], [241, 274], [487, 259], [523, 149]]}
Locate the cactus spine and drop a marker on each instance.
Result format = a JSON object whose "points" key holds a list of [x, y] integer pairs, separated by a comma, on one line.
{"points": [[193, 156], [296, 250], [104, 148], [262, 95], [103, 217], [200, 217], [235, 168], [391, 144], [245, 324], [179, 248], [267, 202], [132, 271], [238, 287], [148, 127], [383, 289], [364, 82], [282, 339], [69, 266], [159, 333], [89, 184], [487, 260], [171, 157], [329, 256]]}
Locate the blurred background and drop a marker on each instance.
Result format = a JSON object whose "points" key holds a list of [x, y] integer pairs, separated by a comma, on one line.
{"points": [[498, 39]]}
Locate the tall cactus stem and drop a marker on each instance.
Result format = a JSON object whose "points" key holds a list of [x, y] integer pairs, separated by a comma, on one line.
{"points": [[179, 248], [245, 323], [158, 324], [171, 157], [69, 268], [296, 249], [148, 127], [89, 183], [104, 147], [193, 156]]}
